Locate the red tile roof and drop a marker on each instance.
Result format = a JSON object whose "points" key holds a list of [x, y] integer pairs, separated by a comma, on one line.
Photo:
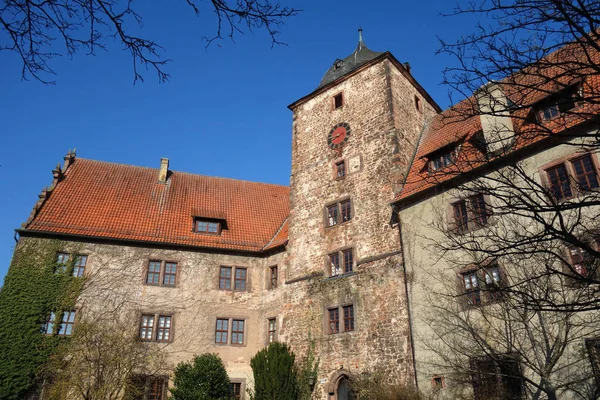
{"points": [[460, 123], [106, 200]]}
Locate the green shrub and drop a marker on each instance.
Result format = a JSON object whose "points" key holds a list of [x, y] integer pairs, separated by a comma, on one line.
{"points": [[274, 373], [204, 378]]}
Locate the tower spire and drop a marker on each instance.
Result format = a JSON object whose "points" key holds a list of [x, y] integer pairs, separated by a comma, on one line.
{"points": [[360, 38]]}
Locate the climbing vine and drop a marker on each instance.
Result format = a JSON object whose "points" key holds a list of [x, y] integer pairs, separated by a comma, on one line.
{"points": [[33, 288]]}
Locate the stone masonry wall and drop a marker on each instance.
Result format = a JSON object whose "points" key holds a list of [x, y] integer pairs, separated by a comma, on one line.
{"points": [[385, 125], [115, 285]]}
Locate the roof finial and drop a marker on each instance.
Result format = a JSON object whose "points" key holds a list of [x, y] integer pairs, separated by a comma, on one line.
{"points": [[360, 38]]}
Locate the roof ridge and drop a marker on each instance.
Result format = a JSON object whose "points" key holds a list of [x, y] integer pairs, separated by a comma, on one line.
{"points": [[184, 172]]}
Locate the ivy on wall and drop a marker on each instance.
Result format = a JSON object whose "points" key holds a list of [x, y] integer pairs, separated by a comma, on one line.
{"points": [[33, 287]]}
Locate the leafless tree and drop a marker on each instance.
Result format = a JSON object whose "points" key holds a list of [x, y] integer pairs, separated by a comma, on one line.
{"points": [[496, 343], [40, 30], [101, 361]]}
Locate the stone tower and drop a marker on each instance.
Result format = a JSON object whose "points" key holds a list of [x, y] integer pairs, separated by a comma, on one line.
{"points": [[353, 139]]}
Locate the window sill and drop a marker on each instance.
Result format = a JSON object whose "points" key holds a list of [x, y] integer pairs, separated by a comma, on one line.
{"points": [[338, 224], [340, 276]]}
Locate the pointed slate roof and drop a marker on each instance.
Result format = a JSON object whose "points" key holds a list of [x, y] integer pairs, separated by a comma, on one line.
{"points": [[361, 55]]}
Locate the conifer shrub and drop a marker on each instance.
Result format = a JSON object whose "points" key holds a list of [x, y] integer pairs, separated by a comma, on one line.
{"points": [[204, 378], [274, 373], [32, 289]]}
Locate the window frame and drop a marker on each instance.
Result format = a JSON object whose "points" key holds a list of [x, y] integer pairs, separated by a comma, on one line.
{"points": [[271, 333], [496, 380], [568, 163], [339, 310], [230, 332], [242, 383], [78, 269], [443, 158], [143, 384], [340, 254], [336, 170], [273, 282], [208, 222], [233, 278], [60, 328], [481, 293], [472, 219], [572, 95], [334, 105], [592, 346], [155, 326], [337, 206], [162, 272]]}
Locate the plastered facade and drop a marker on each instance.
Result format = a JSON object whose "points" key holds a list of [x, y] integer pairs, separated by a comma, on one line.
{"points": [[434, 278]]}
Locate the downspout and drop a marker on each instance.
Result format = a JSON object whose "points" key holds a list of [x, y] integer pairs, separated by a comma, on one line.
{"points": [[408, 307]]}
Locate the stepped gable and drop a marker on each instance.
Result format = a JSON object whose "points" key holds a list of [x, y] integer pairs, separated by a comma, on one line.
{"points": [[114, 201]]}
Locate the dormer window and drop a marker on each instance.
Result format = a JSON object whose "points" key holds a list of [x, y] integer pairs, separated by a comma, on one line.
{"points": [[207, 226], [338, 64], [443, 158], [559, 104]]}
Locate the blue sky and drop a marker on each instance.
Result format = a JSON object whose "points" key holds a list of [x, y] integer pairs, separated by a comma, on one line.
{"points": [[224, 111]]}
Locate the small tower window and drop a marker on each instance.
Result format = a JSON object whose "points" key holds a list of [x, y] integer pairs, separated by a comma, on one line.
{"points": [[338, 101], [418, 104]]}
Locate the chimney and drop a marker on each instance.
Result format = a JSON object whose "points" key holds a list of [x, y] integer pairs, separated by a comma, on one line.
{"points": [[407, 67], [164, 170]]}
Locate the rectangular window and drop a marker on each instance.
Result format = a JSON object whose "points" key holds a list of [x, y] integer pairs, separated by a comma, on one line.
{"points": [[153, 277], [482, 285], [235, 388], [170, 274], [340, 169], [560, 185], [348, 261], [225, 278], [338, 213], [461, 218], [66, 326], [579, 260], [272, 333], [156, 327], [203, 226], [585, 173], [348, 318], [496, 379], [162, 273], [237, 331], [471, 283], [222, 331], [48, 328], [163, 332], [559, 104], [443, 158], [147, 327], [593, 350], [334, 260], [346, 210], [479, 209], [79, 267], [338, 101], [240, 278], [147, 387], [334, 320], [273, 277], [337, 325], [332, 215], [62, 259]]}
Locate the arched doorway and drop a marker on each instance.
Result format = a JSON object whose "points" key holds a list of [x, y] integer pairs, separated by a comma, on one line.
{"points": [[343, 390]]}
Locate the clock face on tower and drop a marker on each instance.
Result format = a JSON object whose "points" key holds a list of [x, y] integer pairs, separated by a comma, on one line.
{"points": [[338, 135]]}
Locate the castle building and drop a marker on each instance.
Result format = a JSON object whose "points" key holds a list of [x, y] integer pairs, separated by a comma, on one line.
{"points": [[336, 262]]}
